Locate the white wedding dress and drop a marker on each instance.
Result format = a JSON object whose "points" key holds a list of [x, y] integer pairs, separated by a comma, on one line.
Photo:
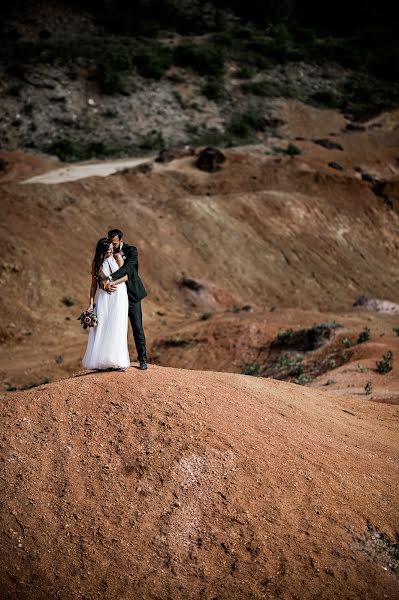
{"points": [[107, 344]]}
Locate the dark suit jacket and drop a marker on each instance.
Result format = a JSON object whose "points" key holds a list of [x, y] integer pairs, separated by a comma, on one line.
{"points": [[135, 288]]}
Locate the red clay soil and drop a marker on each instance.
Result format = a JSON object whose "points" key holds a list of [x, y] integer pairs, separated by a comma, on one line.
{"points": [[239, 340], [19, 165], [175, 484]]}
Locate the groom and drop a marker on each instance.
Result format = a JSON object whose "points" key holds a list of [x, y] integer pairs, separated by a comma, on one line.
{"points": [[135, 290]]}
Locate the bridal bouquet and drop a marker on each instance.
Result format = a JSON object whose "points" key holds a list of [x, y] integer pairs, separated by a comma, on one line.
{"points": [[88, 318]]}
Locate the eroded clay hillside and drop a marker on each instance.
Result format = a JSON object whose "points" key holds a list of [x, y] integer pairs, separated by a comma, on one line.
{"points": [[267, 231]]}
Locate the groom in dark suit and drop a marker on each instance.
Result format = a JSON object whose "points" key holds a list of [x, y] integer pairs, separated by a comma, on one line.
{"points": [[135, 290]]}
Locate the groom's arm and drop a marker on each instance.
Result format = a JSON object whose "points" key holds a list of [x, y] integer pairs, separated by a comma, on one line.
{"points": [[131, 263]]}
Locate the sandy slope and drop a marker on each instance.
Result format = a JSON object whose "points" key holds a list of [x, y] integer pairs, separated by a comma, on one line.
{"points": [[176, 484]]}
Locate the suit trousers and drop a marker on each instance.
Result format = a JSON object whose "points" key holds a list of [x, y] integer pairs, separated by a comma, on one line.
{"points": [[136, 321]]}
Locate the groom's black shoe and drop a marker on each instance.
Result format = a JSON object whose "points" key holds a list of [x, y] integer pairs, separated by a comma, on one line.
{"points": [[143, 365]]}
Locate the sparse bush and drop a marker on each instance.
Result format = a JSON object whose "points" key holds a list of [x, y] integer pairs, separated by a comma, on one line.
{"points": [[206, 316], [304, 35], [385, 365], [245, 73], [396, 330], [152, 141], [364, 335], [360, 369], [29, 386], [214, 89], [332, 363], [244, 32], [239, 127], [153, 62], [59, 359], [251, 369], [326, 99], [290, 150], [293, 150], [303, 379], [368, 388], [15, 89], [110, 80], [205, 60], [346, 342], [176, 341], [68, 301], [222, 38], [259, 88]]}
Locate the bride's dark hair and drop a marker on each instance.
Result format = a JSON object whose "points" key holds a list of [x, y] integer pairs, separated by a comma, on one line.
{"points": [[100, 254]]}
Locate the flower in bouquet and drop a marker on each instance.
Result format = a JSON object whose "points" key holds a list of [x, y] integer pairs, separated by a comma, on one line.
{"points": [[88, 318]]}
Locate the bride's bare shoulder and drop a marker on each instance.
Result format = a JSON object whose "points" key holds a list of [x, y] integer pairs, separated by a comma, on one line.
{"points": [[119, 259]]}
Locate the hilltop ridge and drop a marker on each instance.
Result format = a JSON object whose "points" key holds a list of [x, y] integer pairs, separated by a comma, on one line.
{"points": [[188, 484]]}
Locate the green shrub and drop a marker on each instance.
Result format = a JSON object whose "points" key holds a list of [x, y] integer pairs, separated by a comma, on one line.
{"points": [[251, 369], [205, 60], [213, 89], [368, 388], [222, 38], [110, 81], [293, 150], [259, 88], [364, 335], [206, 316], [385, 365], [175, 342], [153, 62], [152, 141], [303, 379], [290, 150], [243, 126], [304, 35], [326, 99], [245, 73], [239, 127], [69, 151], [68, 301], [243, 33]]}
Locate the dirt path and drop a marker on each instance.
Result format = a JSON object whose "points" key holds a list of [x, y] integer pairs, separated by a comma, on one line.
{"points": [[77, 171]]}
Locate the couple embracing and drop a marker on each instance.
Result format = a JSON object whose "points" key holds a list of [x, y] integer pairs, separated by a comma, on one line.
{"points": [[115, 273]]}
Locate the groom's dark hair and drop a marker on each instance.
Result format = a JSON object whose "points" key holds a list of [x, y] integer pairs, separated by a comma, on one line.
{"points": [[113, 232]]}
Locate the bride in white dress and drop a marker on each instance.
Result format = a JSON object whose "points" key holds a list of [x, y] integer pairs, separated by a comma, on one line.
{"points": [[107, 344]]}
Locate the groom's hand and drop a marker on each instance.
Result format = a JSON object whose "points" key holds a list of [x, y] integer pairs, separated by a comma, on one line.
{"points": [[109, 287]]}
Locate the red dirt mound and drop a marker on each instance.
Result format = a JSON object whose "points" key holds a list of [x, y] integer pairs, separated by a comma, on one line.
{"points": [[175, 484]]}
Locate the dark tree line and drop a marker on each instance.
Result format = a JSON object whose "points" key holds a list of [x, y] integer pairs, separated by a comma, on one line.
{"points": [[339, 17]]}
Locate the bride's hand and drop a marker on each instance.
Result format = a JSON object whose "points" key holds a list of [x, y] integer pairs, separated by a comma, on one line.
{"points": [[91, 307]]}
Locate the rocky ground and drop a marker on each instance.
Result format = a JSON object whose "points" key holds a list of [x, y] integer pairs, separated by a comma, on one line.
{"points": [[70, 87]]}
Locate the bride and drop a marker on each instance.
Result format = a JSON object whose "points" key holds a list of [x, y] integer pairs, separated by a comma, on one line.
{"points": [[107, 344]]}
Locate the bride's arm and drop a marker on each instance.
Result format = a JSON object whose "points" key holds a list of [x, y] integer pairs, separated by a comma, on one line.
{"points": [[119, 259], [93, 288], [121, 280]]}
